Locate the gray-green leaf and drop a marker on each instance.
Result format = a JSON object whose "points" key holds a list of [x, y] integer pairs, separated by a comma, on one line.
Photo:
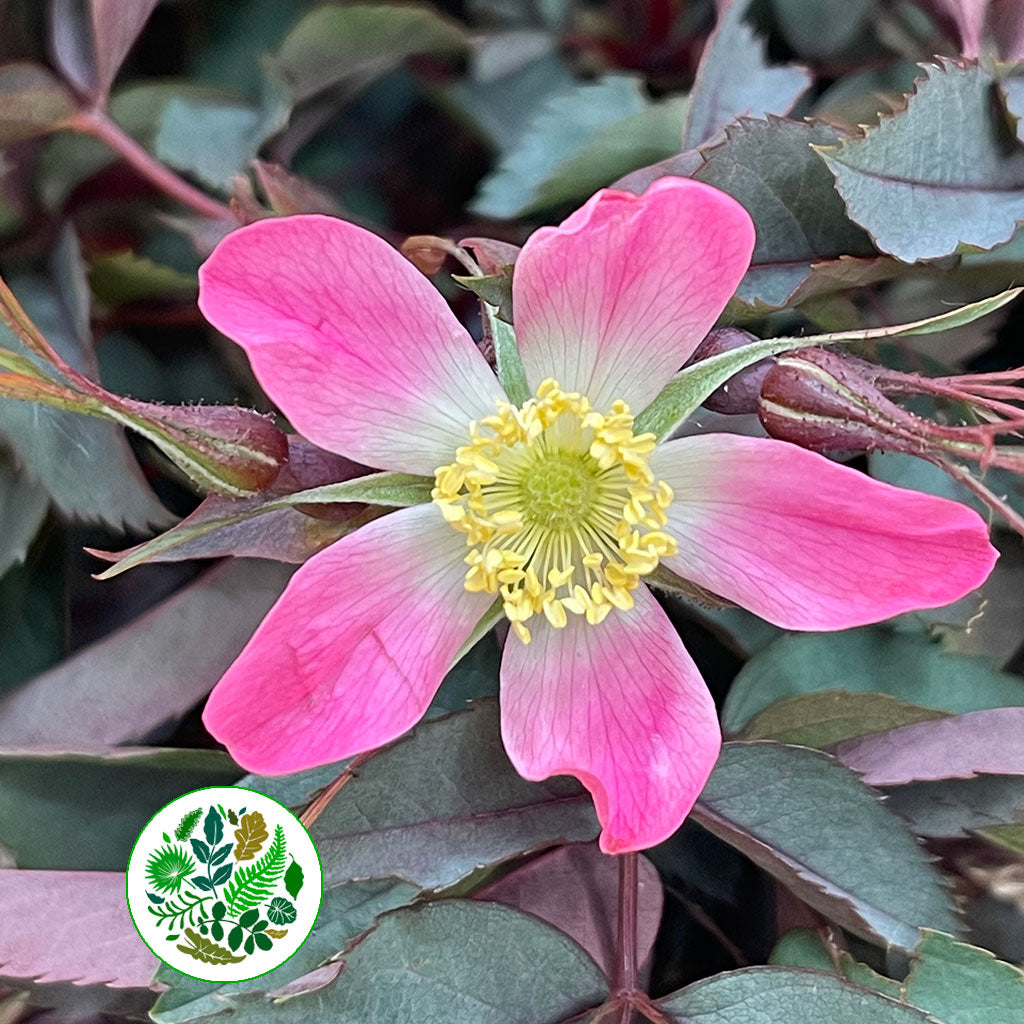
{"points": [[865, 871], [942, 174]]}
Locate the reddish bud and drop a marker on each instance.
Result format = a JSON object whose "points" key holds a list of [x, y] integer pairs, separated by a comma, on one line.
{"points": [[738, 395], [827, 402]]}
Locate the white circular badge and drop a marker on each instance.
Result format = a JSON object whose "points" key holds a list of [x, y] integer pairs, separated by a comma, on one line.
{"points": [[224, 884]]}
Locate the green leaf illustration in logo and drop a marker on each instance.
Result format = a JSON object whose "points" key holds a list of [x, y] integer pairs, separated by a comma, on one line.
{"points": [[222, 874], [213, 826], [207, 950], [173, 913], [248, 919], [281, 911], [188, 824], [168, 867], [293, 878], [221, 854], [251, 835], [262, 940], [232, 817], [254, 883]]}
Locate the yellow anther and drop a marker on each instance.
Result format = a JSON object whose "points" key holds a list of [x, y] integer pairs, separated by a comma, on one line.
{"points": [[558, 577], [554, 612], [620, 597], [560, 509]]}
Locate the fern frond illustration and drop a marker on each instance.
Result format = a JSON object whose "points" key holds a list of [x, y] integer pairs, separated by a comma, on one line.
{"points": [[168, 867], [254, 883], [174, 912], [187, 825]]}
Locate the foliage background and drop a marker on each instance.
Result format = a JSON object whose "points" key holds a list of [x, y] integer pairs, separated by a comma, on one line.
{"points": [[486, 119]]}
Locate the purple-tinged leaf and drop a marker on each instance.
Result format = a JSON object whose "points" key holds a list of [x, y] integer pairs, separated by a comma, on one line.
{"points": [[1007, 24], [289, 194], [435, 826], [965, 17], [32, 102], [863, 871], [575, 888], [828, 717], [987, 742], [90, 45], [734, 79], [70, 926], [149, 673], [225, 526]]}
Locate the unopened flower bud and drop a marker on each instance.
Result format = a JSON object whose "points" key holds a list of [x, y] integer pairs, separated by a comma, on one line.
{"points": [[823, 401], [223, 448], [738, 395]]}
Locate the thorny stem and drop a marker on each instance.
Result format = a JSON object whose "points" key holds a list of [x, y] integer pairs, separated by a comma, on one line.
{"points": [[98, 124]]}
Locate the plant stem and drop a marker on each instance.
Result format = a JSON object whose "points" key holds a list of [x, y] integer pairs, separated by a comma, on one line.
{"points": [[626, 945], [98, 124], [319, 804]]}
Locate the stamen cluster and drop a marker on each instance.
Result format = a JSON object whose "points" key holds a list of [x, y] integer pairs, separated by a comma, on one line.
{"points": [[561, 511]]}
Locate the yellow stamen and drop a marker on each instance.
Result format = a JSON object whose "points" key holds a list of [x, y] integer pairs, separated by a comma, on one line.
{"points": [[559, 506]]}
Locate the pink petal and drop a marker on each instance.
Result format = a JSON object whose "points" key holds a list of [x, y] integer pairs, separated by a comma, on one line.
{"points": [[622, 707], [809, 544], [355, 345], [614, 300], [353, 651]]}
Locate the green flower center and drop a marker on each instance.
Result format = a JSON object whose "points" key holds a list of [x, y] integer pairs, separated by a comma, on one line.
{"points": [[558, 489]]}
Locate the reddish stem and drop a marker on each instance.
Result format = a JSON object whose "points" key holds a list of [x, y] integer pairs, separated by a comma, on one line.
{"points": [[626, 946], [98, 124]]}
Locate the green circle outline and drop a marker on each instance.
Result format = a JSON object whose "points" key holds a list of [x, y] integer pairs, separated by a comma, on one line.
{"points": [[206, 789]]}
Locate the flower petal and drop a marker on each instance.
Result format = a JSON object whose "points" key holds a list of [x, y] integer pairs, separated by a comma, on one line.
{"points": [[809, 544], [354, 650], [615, 299], [622, 707], [355, 345]]}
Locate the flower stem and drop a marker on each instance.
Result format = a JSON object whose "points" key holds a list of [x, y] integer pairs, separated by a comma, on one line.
{"points": [[626, 945], [98, 124]]}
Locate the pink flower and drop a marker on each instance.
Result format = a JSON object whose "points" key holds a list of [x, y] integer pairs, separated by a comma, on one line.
{"points": [[557, 508]]}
